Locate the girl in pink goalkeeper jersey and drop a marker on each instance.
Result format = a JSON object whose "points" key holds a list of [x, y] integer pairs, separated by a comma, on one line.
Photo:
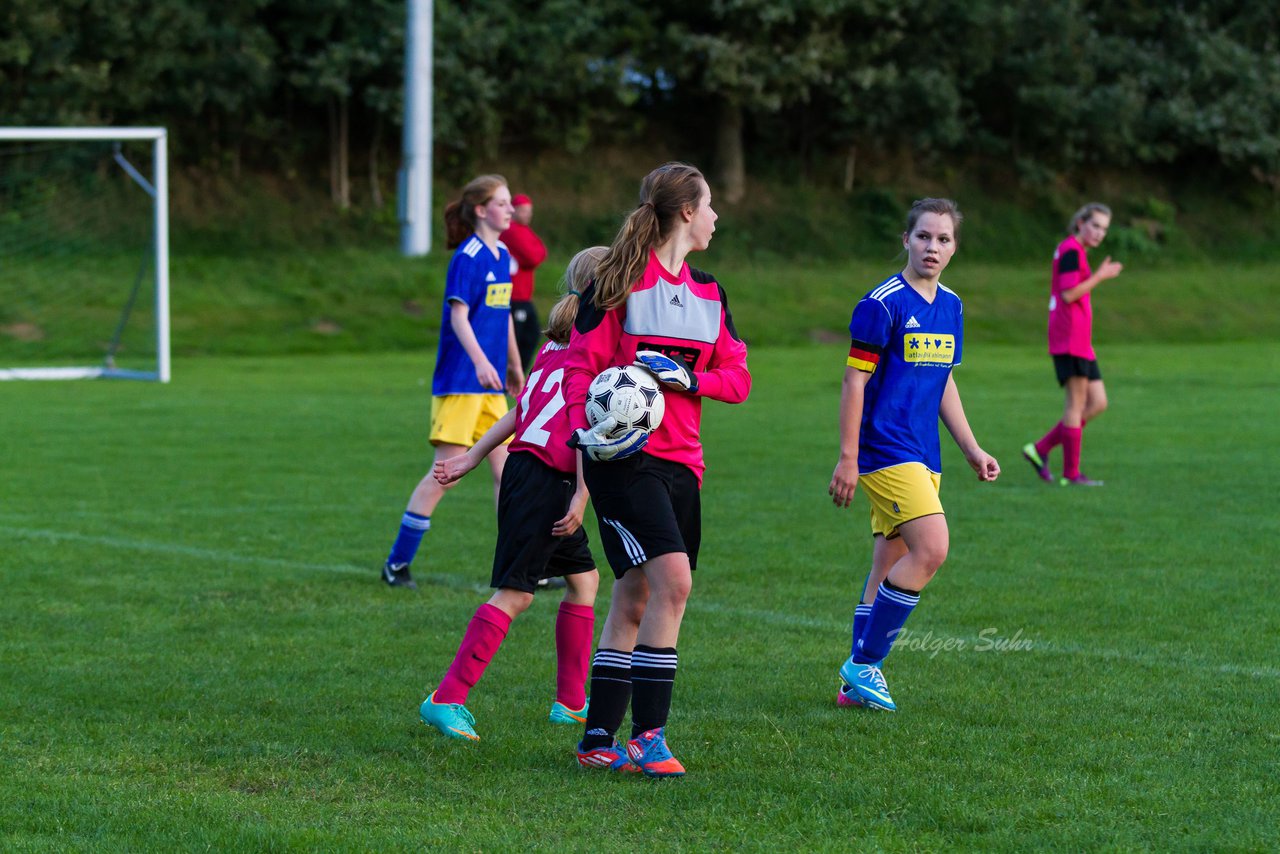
{"points": [[647, 306], [540, 531], [1071, 344]]}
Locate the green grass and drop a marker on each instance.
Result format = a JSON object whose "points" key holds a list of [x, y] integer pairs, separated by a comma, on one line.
{"points": [[198, 654], [343, 299]]}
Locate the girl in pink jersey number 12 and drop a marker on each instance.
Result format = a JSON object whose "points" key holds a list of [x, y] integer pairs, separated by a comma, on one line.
{"points": [[649, 307], [540, 532], [906, 335], [1071, 344]]}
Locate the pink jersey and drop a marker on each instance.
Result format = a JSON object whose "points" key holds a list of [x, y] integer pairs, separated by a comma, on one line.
{"points": [[686, 317], [542, 420], [1070, 324]]}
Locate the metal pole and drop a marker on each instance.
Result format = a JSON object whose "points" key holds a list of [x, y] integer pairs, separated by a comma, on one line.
{"points": [[161, 183], [414, 185]]}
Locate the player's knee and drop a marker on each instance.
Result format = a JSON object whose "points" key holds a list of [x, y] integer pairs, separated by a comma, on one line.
{"points": [[931, 555], [511, 601], [629, 613], [673, 590], [627, 609], [581, 589]]}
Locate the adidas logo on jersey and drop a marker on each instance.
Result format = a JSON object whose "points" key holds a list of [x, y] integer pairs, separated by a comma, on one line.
{"points": [[913, 323], [489, 277], [675, 300]]}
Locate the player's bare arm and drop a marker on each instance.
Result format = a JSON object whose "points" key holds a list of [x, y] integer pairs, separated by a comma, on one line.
{"points": [[460, 320], [572, 519], [844, 480], [952, 413], [455, 468], [1108, 269]]}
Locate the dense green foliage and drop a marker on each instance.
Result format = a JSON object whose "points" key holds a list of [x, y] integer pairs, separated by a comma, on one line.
{"points": [[1049, 86], [199, 656]]}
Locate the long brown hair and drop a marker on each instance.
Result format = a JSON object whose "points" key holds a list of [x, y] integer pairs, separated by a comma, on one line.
{"points": [[460, 214], [664, 193], [581, 270]]}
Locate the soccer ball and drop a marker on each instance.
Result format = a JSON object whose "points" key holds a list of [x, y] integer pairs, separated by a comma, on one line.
{"points": [[630, 395]]}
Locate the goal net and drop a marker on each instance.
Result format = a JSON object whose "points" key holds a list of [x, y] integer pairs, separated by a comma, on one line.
{"points": [[84, 253]]}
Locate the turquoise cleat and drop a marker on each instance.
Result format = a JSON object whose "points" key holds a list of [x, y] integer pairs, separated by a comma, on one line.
{"points": [[868, 682], [452, 719], [562, 714]]}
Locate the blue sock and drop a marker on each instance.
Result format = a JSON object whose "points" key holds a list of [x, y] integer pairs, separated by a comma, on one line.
{"points": [[888, 615], [860, 615], [412, 528]]}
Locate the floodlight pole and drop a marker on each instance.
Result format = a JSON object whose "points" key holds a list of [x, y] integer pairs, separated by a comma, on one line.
{"points": [[414, 185]]}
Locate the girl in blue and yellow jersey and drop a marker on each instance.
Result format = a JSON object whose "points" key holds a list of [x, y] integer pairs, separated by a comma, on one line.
{"points": [[906, 334], [477, 350]]}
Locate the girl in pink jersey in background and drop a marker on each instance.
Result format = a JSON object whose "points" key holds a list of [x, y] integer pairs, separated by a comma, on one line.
{"points": [[649, 307], [540, 533], [1071, 344]]}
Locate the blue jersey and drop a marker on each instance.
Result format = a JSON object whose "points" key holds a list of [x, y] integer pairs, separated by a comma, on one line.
{"points": [[483, 283], [909, 347]]}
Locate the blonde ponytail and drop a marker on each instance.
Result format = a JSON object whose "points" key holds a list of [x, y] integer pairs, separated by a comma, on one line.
{"points": [[581, 270]]}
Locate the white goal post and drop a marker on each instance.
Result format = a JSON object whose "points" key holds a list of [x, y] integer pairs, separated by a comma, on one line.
{"points": [[157, 188]]}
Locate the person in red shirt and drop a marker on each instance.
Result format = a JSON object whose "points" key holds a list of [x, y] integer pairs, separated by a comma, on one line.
{"points": [[527, 252], [1071, 343]]}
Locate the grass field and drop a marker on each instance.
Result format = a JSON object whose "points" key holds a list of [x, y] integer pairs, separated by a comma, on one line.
{"points": [[198, 654]]}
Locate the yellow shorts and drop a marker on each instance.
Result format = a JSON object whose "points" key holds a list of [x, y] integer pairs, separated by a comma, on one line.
{"points": [[899, 494], [461, 419]]}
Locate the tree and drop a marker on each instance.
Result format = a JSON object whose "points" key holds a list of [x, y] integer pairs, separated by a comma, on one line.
{"points": [[751, 57]]}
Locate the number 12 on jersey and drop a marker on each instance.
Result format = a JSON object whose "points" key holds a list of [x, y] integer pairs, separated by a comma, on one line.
{"points": [[550, 401]]}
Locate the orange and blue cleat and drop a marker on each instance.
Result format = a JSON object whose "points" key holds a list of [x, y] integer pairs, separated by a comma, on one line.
{"points": [[562, 714], [452, 719], [650, 754]]}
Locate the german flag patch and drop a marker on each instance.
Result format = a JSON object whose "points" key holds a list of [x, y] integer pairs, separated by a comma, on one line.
{"points": [[863, 356]]}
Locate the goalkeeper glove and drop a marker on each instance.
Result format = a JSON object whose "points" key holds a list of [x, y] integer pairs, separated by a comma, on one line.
{"points": [[597, 444], [667, 370]]}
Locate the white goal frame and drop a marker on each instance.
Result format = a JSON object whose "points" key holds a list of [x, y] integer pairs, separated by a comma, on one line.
{"points": [[158, 190]]}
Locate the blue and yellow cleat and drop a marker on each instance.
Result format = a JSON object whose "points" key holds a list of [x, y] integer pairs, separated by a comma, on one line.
{"points": [[868, 682], [562, 714], [649, 753], [452, 719], [611, 758]]}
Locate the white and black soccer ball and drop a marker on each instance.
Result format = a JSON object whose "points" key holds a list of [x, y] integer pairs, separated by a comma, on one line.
{"points": [[630, 395]]}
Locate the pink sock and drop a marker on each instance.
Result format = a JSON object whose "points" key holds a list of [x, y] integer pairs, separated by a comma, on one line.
{"points": [[1049, 441], [575, 625], [1071, 440], [485, 633]]}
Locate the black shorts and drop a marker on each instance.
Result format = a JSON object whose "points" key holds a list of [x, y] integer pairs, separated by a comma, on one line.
{"points": [[533, 498], [1068, 366], [647, 507], [524, 316]]}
